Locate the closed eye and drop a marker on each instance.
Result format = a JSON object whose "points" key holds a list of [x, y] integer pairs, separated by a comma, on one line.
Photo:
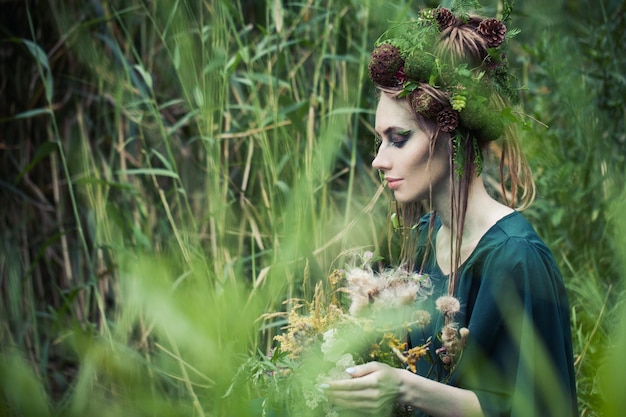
{"points": [[398, 139]]}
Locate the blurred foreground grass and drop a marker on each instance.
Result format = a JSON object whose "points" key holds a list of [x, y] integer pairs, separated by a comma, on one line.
{"points": [[174, 169]]}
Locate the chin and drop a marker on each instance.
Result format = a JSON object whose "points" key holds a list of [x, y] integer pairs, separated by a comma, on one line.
{"points": [[404, 198]]}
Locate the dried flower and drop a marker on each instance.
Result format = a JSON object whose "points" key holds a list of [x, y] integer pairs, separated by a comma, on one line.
{"points": [[448, 305], [415, 354], [464, 332], [362, 285], [452, 346], [329, 341], [335, 277], [389, 289], [449, 334], [372, 331], [346, 361], [422, 318], [397, 292]]}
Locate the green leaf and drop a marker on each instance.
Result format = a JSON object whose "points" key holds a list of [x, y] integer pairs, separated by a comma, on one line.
{"points": [[44, 150], [176, 57], [508, 116], [42, 59], [147, 78], [163, 159], [149, 171], [511, 33], [104, 183], [32, 113]]}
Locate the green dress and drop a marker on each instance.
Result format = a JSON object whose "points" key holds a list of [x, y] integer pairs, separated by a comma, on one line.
{"points": [[518, 357]]}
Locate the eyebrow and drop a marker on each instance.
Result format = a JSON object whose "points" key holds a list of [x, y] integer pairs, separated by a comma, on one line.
{"points": [[393, 129]]}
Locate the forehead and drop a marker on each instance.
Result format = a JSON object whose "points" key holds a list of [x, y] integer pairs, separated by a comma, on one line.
{"points": [[393, 112]]}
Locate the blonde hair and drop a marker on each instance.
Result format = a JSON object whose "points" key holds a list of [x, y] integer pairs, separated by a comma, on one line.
{"points": [[462, 43]]}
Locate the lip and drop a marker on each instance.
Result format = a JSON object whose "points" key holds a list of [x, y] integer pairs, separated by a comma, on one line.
{"points": [[393, 183]]}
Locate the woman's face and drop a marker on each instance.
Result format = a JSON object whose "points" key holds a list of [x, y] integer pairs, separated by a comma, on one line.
{"points": [[404, 155]]}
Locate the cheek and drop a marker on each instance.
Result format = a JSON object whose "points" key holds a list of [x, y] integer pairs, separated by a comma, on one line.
{"points": [[424, 168], [417, 156]]}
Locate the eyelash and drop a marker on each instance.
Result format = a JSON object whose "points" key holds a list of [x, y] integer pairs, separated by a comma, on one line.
{"points": [[399, 139]]}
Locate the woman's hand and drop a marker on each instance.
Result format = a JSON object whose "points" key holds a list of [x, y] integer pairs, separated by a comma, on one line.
{"points": [[372, 390]]}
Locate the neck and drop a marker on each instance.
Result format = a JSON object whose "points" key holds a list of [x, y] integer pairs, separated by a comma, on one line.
{"points": [[483, 211], [481, 207]]}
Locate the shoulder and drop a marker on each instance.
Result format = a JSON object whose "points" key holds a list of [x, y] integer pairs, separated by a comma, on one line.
{"points": [[512, 254], [513, 239], [515, 272]]}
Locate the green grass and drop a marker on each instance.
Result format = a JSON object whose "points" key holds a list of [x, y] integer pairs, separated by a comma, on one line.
{"points": [[173, 170]]}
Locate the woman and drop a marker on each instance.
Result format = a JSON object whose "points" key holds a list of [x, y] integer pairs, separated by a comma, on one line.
{"points": [[444, 90]]}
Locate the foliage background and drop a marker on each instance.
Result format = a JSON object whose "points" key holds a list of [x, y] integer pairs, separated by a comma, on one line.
{"points": [[172, 169]]}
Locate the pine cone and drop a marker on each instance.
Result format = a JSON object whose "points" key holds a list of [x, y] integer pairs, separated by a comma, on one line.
{"points": [[493, 31], [385, 62], [446, 19], [425, 104], [448, 119]]}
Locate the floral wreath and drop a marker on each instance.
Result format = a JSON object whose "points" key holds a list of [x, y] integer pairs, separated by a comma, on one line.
{"points": [[454, 95]]}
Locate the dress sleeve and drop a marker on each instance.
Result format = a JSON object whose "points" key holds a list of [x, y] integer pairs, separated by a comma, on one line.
{"points": [[518, 359]]}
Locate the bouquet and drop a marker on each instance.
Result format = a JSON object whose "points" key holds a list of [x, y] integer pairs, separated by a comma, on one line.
{"points": [[366, 317]]}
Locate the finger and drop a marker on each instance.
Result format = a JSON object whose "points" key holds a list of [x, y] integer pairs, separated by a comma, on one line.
{"points": [[353, 384], [365, 369], [358, 380], [364, 409], [366, 402], [364, 396]]}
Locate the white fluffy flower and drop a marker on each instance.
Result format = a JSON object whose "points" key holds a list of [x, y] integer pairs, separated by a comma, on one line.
{"points": [[362, 287], [330, 346], [401, 292], [422, 318], [448, 305], [346, 361]]}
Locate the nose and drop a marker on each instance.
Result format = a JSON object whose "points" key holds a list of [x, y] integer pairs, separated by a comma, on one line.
{"points": [[380, 162]]}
